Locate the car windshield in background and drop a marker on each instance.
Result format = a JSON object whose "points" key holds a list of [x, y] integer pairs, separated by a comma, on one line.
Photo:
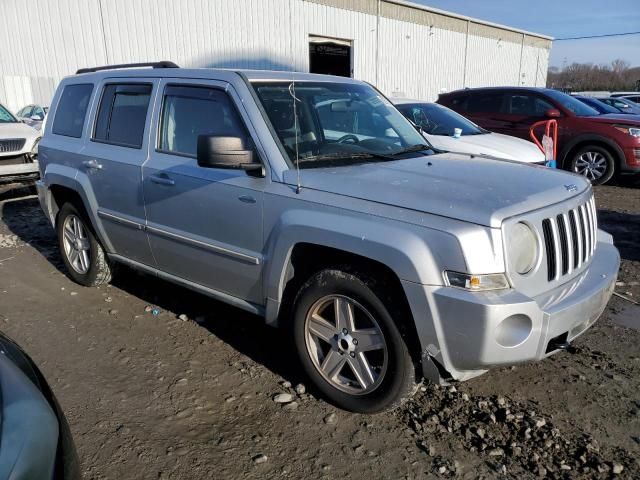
{"points": [[578, 108], [596, 104], [438, 120], [336, 122], [6, 116]]}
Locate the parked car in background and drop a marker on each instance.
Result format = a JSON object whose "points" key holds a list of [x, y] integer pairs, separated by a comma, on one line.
{"points": [[33, 115], [598, 105], [18, 147], [622, 104], [35, 440], [632, 96], [438, 124], [590, 144], [310, 200]]}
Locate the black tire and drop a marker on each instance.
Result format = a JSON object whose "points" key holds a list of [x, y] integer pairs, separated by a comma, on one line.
{"points": [[398, 382], [98, 271], [596, 152]]}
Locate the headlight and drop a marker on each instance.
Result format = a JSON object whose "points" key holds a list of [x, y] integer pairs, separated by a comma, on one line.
{"points": [[523, 248], [476, 283], [34, 149], [633, 131]]}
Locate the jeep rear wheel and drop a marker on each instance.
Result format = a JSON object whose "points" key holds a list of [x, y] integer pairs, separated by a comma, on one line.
{"points": [[349, 344], [595, 163], [82, 254]]}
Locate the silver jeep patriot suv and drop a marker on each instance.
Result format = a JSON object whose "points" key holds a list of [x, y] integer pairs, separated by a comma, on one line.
{"points": [[311, 201]]}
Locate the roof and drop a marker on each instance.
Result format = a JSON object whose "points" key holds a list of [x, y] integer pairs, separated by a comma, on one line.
{"points": [[217, 73], [488, 89]]}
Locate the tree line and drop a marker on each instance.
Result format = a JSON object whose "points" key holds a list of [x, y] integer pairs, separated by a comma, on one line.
{"points": [[577, 77]]}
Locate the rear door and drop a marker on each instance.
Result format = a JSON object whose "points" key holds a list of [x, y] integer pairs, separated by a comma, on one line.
{"points": [[204, 224], [486, 110], [113, 159]]}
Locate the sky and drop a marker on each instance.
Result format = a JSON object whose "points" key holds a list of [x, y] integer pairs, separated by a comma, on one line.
{"points": [[561, 19]]}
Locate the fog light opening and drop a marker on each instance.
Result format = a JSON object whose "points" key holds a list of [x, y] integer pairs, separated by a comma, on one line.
{"points": [[513, 330]]}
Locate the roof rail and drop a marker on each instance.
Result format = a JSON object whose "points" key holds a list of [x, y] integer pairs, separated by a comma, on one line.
{"points": [[163, 64]]}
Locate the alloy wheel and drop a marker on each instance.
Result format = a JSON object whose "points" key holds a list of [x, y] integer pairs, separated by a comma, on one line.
{"points": [[592, 165], [346, 344], [77, 246]]}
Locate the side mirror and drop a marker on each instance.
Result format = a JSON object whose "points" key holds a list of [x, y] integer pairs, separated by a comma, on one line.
{"points": [[225, 152], [552, 113]]}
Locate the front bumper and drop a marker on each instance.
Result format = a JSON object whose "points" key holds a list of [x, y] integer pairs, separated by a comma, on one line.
{"points": [[477, 331]]}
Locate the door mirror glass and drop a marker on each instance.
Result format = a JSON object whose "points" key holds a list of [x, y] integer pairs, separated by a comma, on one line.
{"points": [[552, 113], [225, 152]]}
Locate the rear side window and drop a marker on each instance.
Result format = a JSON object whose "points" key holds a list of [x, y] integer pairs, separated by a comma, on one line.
{"points": [[188, 112], [459, 104], [123, 114], [72, 109], [526, 105], [485, 103]]}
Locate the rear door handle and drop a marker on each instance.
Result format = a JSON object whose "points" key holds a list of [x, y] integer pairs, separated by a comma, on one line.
{"points": [[162, 179], [92, 164]]}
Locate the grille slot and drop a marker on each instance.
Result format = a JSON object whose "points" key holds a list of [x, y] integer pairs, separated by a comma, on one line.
{"points": [[12, 145], [570, 239]]}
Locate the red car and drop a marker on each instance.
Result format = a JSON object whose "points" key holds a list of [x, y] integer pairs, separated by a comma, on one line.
{"points": [[589, 143]]}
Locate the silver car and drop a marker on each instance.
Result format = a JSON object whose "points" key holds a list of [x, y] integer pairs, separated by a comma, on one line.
{"points": [[311, 201]]}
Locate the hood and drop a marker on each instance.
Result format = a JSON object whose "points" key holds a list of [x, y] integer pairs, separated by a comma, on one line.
{"points": [[612, 118], [477, 190], [492, 144], [17, 130]]}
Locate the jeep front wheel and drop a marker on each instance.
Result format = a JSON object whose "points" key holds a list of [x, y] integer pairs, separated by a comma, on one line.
{"points": [[349, 344], [82, 254]]}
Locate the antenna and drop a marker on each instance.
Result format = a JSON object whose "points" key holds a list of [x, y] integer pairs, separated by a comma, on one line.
{"points": [[292, 92]]}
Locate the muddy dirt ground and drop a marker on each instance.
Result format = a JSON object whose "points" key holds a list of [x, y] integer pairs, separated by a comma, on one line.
{"points": [[156, 397]]}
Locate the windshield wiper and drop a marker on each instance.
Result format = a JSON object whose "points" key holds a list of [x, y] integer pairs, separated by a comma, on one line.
{"points": [[412, 148], [343, 156]]}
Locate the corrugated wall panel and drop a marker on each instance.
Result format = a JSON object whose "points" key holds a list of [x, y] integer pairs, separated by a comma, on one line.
{"points": [[420, 52], [418, 61]]}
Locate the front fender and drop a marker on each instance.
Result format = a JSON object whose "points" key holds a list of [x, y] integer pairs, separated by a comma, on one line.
{"points": [[414, 254]]}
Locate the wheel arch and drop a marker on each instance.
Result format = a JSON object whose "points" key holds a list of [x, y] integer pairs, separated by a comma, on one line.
{"points": [[592, 139]]}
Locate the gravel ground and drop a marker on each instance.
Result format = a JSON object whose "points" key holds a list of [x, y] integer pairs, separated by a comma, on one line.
{"points": [[160, 383]]}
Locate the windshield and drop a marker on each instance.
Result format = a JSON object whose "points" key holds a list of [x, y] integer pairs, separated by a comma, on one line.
{"points": [[572, 104], [601, 107], [438, 120], [6, 116], [336, 121]]}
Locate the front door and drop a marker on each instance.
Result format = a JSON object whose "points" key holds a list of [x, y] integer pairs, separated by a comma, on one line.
{"points": [[113, 159], [204, 224]]}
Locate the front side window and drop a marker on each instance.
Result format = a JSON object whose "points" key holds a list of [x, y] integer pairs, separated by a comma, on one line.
{"points": [[72, 109], [122, 115], [335, 121], [6, 116], [435, 119], [527, 105], [188, 112]]}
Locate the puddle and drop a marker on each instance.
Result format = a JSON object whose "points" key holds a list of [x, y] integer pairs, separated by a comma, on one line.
{"points": [[628, 316]]}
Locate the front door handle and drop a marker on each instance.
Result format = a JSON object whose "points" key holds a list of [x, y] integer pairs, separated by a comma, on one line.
{"points": [[93, 164], [162, 179]]}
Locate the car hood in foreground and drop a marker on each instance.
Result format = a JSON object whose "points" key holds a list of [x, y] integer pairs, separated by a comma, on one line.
{"points": [[477, 190], [493, 144]]}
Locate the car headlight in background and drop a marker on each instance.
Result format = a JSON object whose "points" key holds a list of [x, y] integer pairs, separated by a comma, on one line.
{"points": [[523, 248], [476, 283], [633, 131], [34, 149]]}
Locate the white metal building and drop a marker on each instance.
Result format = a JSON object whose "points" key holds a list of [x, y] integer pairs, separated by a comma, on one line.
{"points": [[403, 48]]}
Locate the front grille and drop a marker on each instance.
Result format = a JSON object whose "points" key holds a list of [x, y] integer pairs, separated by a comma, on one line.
{"points": [[11, 145], [570, 239], [636, 153]]}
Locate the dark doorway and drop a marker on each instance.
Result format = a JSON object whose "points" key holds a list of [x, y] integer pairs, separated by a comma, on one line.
{"points": [[330, 58]]}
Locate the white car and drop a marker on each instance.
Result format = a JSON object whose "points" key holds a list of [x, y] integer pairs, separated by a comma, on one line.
{"points": [[18, 147], [33, 115], [439, 125]]}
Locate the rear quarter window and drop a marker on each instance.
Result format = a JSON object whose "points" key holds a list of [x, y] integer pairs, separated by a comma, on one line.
{"points": [[72, 110]]}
